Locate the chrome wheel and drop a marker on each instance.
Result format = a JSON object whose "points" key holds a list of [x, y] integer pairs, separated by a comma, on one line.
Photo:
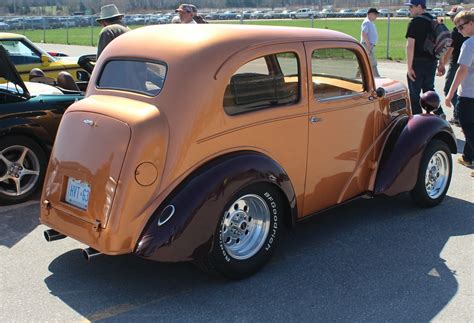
{"points": [[245, 226], [437, 174], [19, 170]]}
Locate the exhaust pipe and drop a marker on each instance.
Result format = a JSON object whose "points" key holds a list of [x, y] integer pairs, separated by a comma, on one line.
{"points": [[53, 235], [89, 253]]}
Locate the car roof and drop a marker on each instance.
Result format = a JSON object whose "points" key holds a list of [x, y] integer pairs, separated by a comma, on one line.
{"points": [[167, 42]]}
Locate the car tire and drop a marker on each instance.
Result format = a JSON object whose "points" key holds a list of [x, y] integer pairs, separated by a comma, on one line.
{"points": [[247, 232], [22, 167], [434, 175]]}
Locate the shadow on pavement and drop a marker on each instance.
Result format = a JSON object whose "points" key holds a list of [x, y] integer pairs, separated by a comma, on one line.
{"points": [[375, 260], [17, 221]]}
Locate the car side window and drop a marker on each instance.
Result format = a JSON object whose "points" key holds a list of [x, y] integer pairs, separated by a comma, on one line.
{"points": [[336, 73], [20, 53], [265, 82]]}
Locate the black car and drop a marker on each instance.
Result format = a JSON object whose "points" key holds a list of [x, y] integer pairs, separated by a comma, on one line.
{"points": [[30, 113]]}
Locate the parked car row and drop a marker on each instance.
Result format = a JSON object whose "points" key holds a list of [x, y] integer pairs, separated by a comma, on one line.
{"points": [[12, 23]]}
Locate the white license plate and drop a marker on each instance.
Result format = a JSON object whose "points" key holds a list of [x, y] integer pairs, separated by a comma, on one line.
{"points": [[77, 193]]}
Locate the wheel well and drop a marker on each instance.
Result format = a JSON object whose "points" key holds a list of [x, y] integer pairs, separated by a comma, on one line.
{"points": [[289, 216], [448, 139]]}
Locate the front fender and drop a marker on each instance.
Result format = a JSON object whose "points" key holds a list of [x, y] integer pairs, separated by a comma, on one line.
{"points": [[398, 169], [199, 202]]}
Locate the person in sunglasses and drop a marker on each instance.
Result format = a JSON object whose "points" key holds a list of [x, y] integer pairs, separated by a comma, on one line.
{"points": [[464, 79], [451, 58], [186, 14]]}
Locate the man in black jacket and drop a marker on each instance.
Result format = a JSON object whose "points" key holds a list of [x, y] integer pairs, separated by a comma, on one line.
{"points": [[421, 64]]}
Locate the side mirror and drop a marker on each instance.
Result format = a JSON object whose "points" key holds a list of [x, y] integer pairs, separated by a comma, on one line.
{"points": [[380, 92], [45, 60]]}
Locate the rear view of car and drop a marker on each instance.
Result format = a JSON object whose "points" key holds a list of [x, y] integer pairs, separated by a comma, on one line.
{"points": [[212, 139]]}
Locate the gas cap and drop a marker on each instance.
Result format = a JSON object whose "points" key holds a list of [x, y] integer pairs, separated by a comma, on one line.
{"points": [[146, 174]]}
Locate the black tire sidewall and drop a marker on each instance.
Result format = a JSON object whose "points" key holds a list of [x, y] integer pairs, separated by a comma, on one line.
{"points": [[234, 268], [20, 140], [419, 194]]}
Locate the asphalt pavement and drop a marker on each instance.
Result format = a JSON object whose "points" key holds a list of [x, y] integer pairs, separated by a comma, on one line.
{"points": [[372, 260]]}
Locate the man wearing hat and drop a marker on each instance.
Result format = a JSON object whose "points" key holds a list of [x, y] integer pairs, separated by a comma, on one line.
{"points": [[111, 20], [451, 57], [421, 64], [186, 14], [369, 37]]}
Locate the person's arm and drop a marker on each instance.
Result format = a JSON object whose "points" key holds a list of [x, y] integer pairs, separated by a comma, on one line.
{"points": [[461, 74], [443, 61], [365, 39], [410, 52]]}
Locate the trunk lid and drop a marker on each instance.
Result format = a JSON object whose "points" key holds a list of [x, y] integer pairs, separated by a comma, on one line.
{"points": [[85, 165]]}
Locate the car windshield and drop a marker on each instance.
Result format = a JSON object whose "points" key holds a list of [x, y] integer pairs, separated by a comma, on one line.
{"points": [[133, 76], [22, 52]]}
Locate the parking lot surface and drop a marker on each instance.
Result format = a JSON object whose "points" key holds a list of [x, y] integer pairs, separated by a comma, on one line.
{"points": [[370, 260]]}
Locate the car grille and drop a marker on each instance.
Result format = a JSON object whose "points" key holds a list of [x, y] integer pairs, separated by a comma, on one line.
{"points": [[397, 106]]}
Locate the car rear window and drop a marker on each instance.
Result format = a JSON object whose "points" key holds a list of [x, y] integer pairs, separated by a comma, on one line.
{"points": [[133, 76]]}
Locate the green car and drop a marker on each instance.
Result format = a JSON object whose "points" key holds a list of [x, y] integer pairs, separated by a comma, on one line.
{"points": [[30, 113]]}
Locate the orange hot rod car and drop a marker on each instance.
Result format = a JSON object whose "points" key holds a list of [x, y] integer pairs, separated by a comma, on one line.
{"points": [[207, 141]]}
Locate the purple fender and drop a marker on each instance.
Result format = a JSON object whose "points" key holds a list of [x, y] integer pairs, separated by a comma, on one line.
{"points": [[400, 162], [199, 202]]}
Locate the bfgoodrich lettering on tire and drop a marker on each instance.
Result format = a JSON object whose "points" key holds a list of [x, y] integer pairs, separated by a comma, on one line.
{"points": [[247, 232], [434, 175]]}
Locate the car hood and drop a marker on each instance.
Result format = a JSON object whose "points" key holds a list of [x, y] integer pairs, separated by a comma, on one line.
{"points": [[9, 72]]}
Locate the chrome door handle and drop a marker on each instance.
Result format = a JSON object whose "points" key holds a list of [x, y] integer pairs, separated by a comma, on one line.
{"points": [[315, 119]]}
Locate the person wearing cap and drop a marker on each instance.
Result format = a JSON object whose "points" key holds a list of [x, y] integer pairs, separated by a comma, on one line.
{"points": [[185, 12], [422, 65], [451, 58], [464, 79], [369, 37], [111, 21]]}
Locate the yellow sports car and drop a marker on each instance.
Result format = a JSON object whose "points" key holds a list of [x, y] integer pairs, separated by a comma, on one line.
{"points": [[26, 56]]}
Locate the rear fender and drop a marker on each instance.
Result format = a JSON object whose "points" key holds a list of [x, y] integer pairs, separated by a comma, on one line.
{"points": [[400, 162], [199, 202]]}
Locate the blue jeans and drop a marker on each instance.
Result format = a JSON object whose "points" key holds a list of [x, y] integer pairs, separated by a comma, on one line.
{"points": [[425, 70], [466, 119], [453, 67]]}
